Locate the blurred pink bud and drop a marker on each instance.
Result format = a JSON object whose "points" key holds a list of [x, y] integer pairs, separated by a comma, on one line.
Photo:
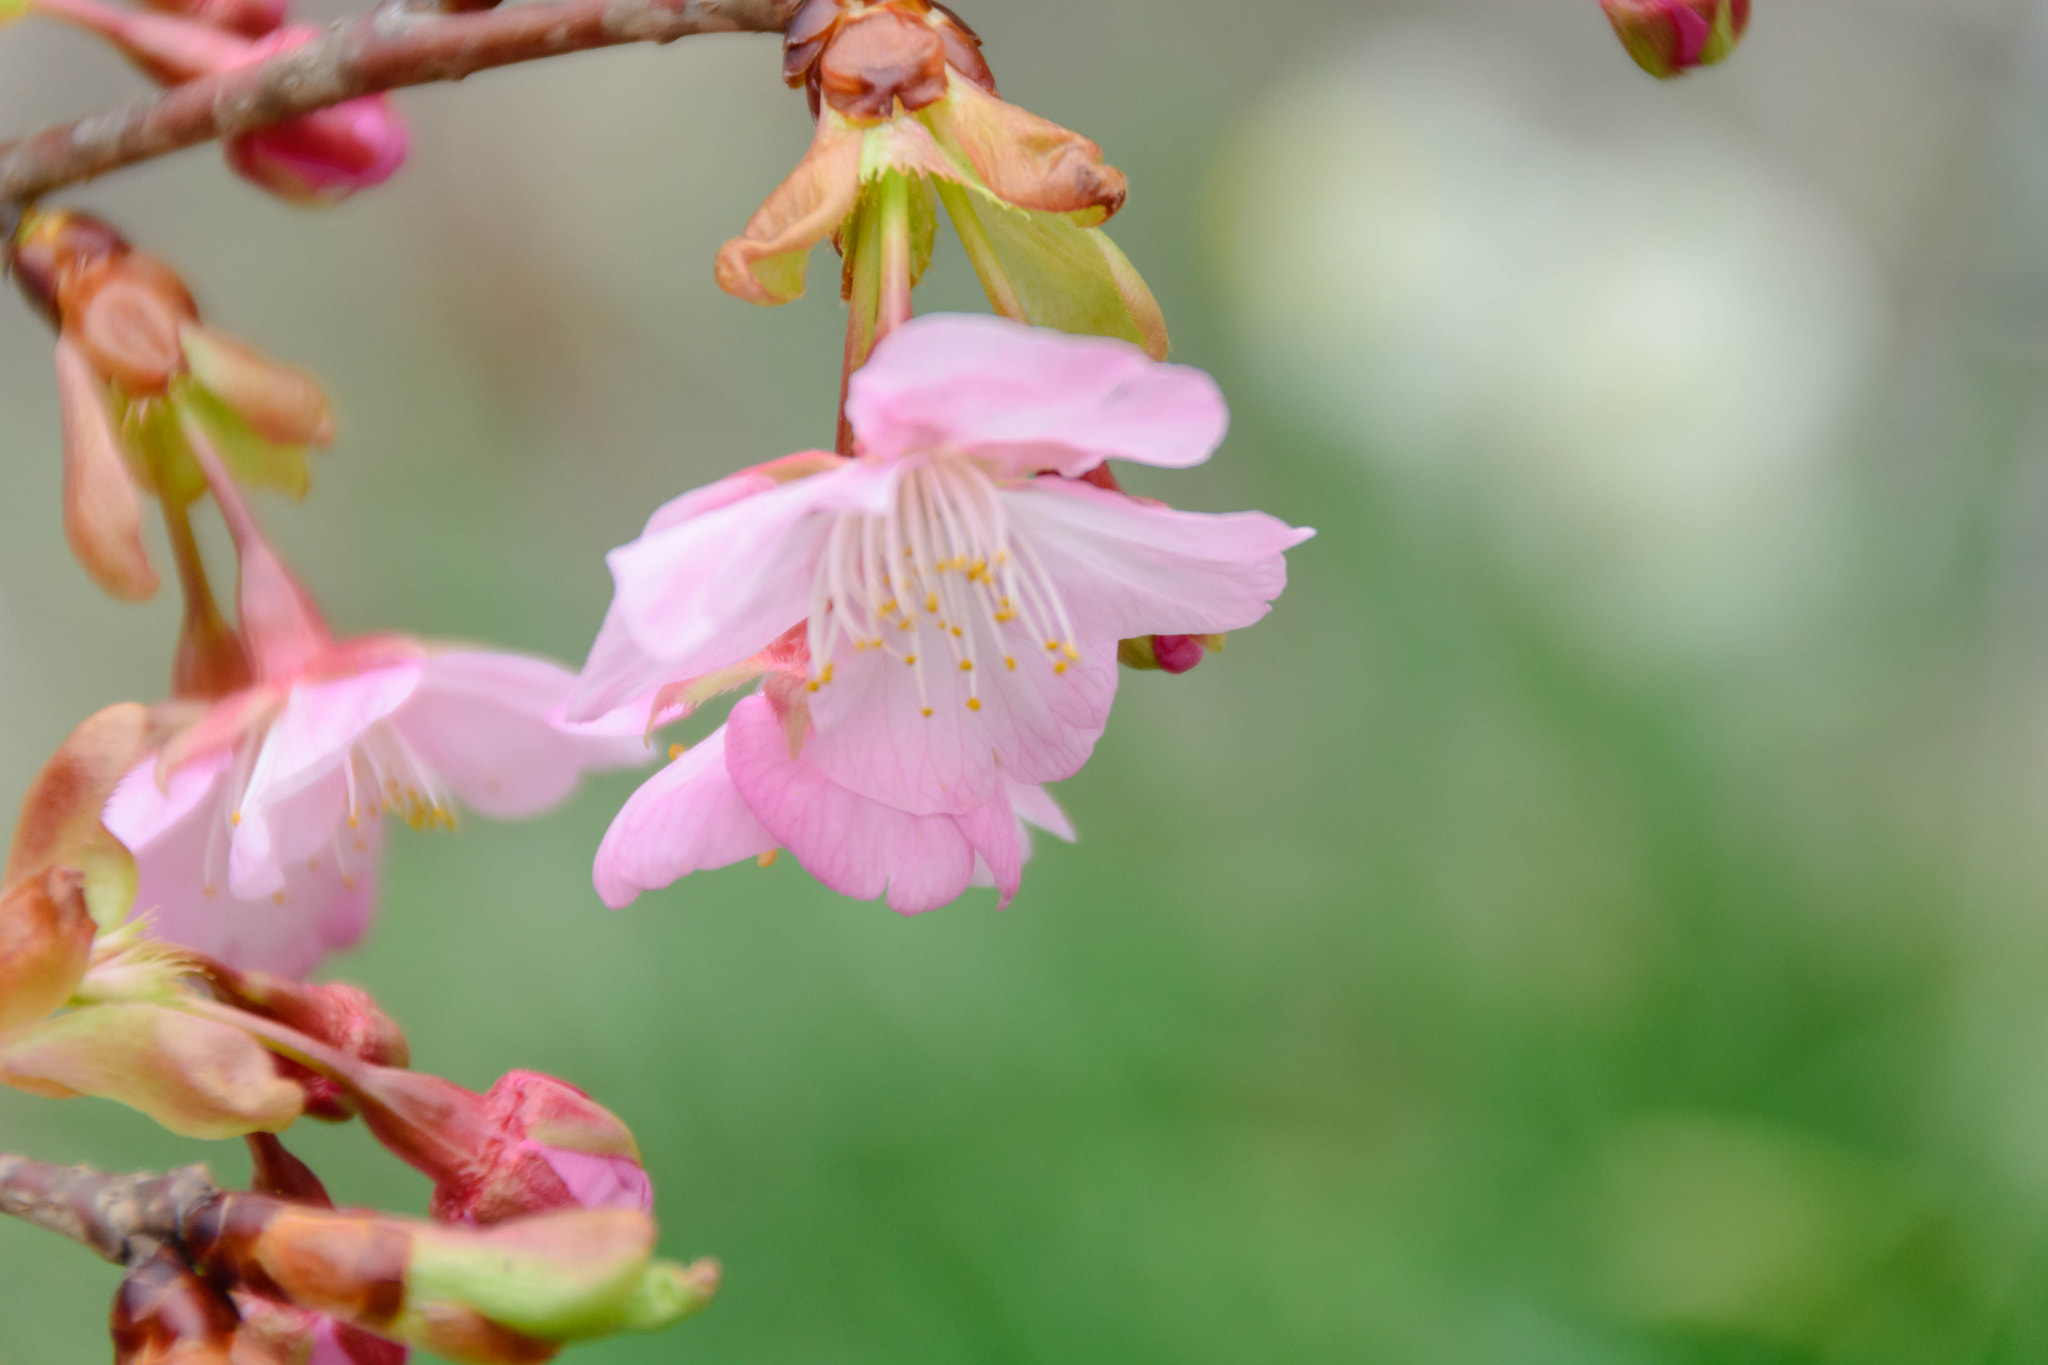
{"points": [[250, 18], [1670, 37], [319, 158], [324, 157]]}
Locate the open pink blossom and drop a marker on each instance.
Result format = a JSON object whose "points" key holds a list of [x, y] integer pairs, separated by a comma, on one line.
{"points": [[255, 830], [256, 834], [960, 592], [741, 793]]}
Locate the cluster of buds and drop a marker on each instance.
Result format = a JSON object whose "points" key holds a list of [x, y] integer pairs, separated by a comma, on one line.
{"points": [[1671, 37], [278, 1277]]}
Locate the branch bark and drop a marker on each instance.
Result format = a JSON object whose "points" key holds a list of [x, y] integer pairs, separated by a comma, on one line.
{"points": [[108, 1213], [388, 49]]}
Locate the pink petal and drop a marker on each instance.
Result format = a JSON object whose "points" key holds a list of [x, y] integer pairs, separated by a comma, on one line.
{"points": [[1035, 806], [485, 724], [327, 901], [269, 841], [600, 1182], [720, 587], [1029, 399], [686, 818], [1034, 724], [998, 846], [1128, 567], [320, 725], [859, 848]]}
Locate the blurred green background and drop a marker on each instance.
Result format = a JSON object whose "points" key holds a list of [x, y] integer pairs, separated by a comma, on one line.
{"points": [[1598, 919]]}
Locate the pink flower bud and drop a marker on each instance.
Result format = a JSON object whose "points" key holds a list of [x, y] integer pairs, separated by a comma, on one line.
{"points": [[324, 157], [250, 18], [1670, 37]]}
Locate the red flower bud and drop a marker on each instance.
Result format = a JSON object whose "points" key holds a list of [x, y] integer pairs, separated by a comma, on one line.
{"points": [[1670, 37]]}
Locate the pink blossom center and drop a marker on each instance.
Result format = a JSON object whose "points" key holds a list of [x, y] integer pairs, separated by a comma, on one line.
{"points": [[941, 580]]}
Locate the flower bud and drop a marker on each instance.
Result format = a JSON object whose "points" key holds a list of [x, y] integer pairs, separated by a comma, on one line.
{"points": [[1670, 37], [1166, 653], [197, 1077], [164, 1314], [533, 1144], [503, 1296], [46, 249], [550, 1147], [46, 936], [343, 1017], [322, 157]]}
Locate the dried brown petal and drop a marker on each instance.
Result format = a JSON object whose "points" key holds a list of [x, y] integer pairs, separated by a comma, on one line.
{"points": [[46, 935], [102, 511], [878, 58], [1028, 161], [765, 264], [125, 317], [59, 825]]}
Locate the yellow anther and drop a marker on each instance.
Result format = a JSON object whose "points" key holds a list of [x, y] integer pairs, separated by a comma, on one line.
{"points": [[209, 891], [967, 665], [931, 602], [974, 703], [1009, 663], [353, 822], [312, 864], [1072, 653], [927, 710], [955, 630], [767, 859], [277, 898], [348, 883], [1059, 667], [910, 659], [676, 751], [811, 686], [235, 819]]}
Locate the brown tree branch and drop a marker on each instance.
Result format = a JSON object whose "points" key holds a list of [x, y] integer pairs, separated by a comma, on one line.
{"points": [[112, 1214], [387, 49]]}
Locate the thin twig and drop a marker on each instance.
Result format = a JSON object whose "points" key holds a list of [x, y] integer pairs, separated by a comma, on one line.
{"points": [[112, 1214], [386, 49]]}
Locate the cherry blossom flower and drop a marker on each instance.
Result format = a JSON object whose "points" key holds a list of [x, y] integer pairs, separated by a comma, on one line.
{"points": [[953, 596], [255, 829]]}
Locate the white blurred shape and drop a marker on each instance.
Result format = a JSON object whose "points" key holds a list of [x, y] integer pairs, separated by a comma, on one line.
{"points": [[1631, 353]]}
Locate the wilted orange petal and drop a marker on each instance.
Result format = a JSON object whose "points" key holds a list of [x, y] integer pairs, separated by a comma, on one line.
{"points": [[197, 1077], [46, 936], [102, 514], [60, 817], [1027, 161], [766, 263]]}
